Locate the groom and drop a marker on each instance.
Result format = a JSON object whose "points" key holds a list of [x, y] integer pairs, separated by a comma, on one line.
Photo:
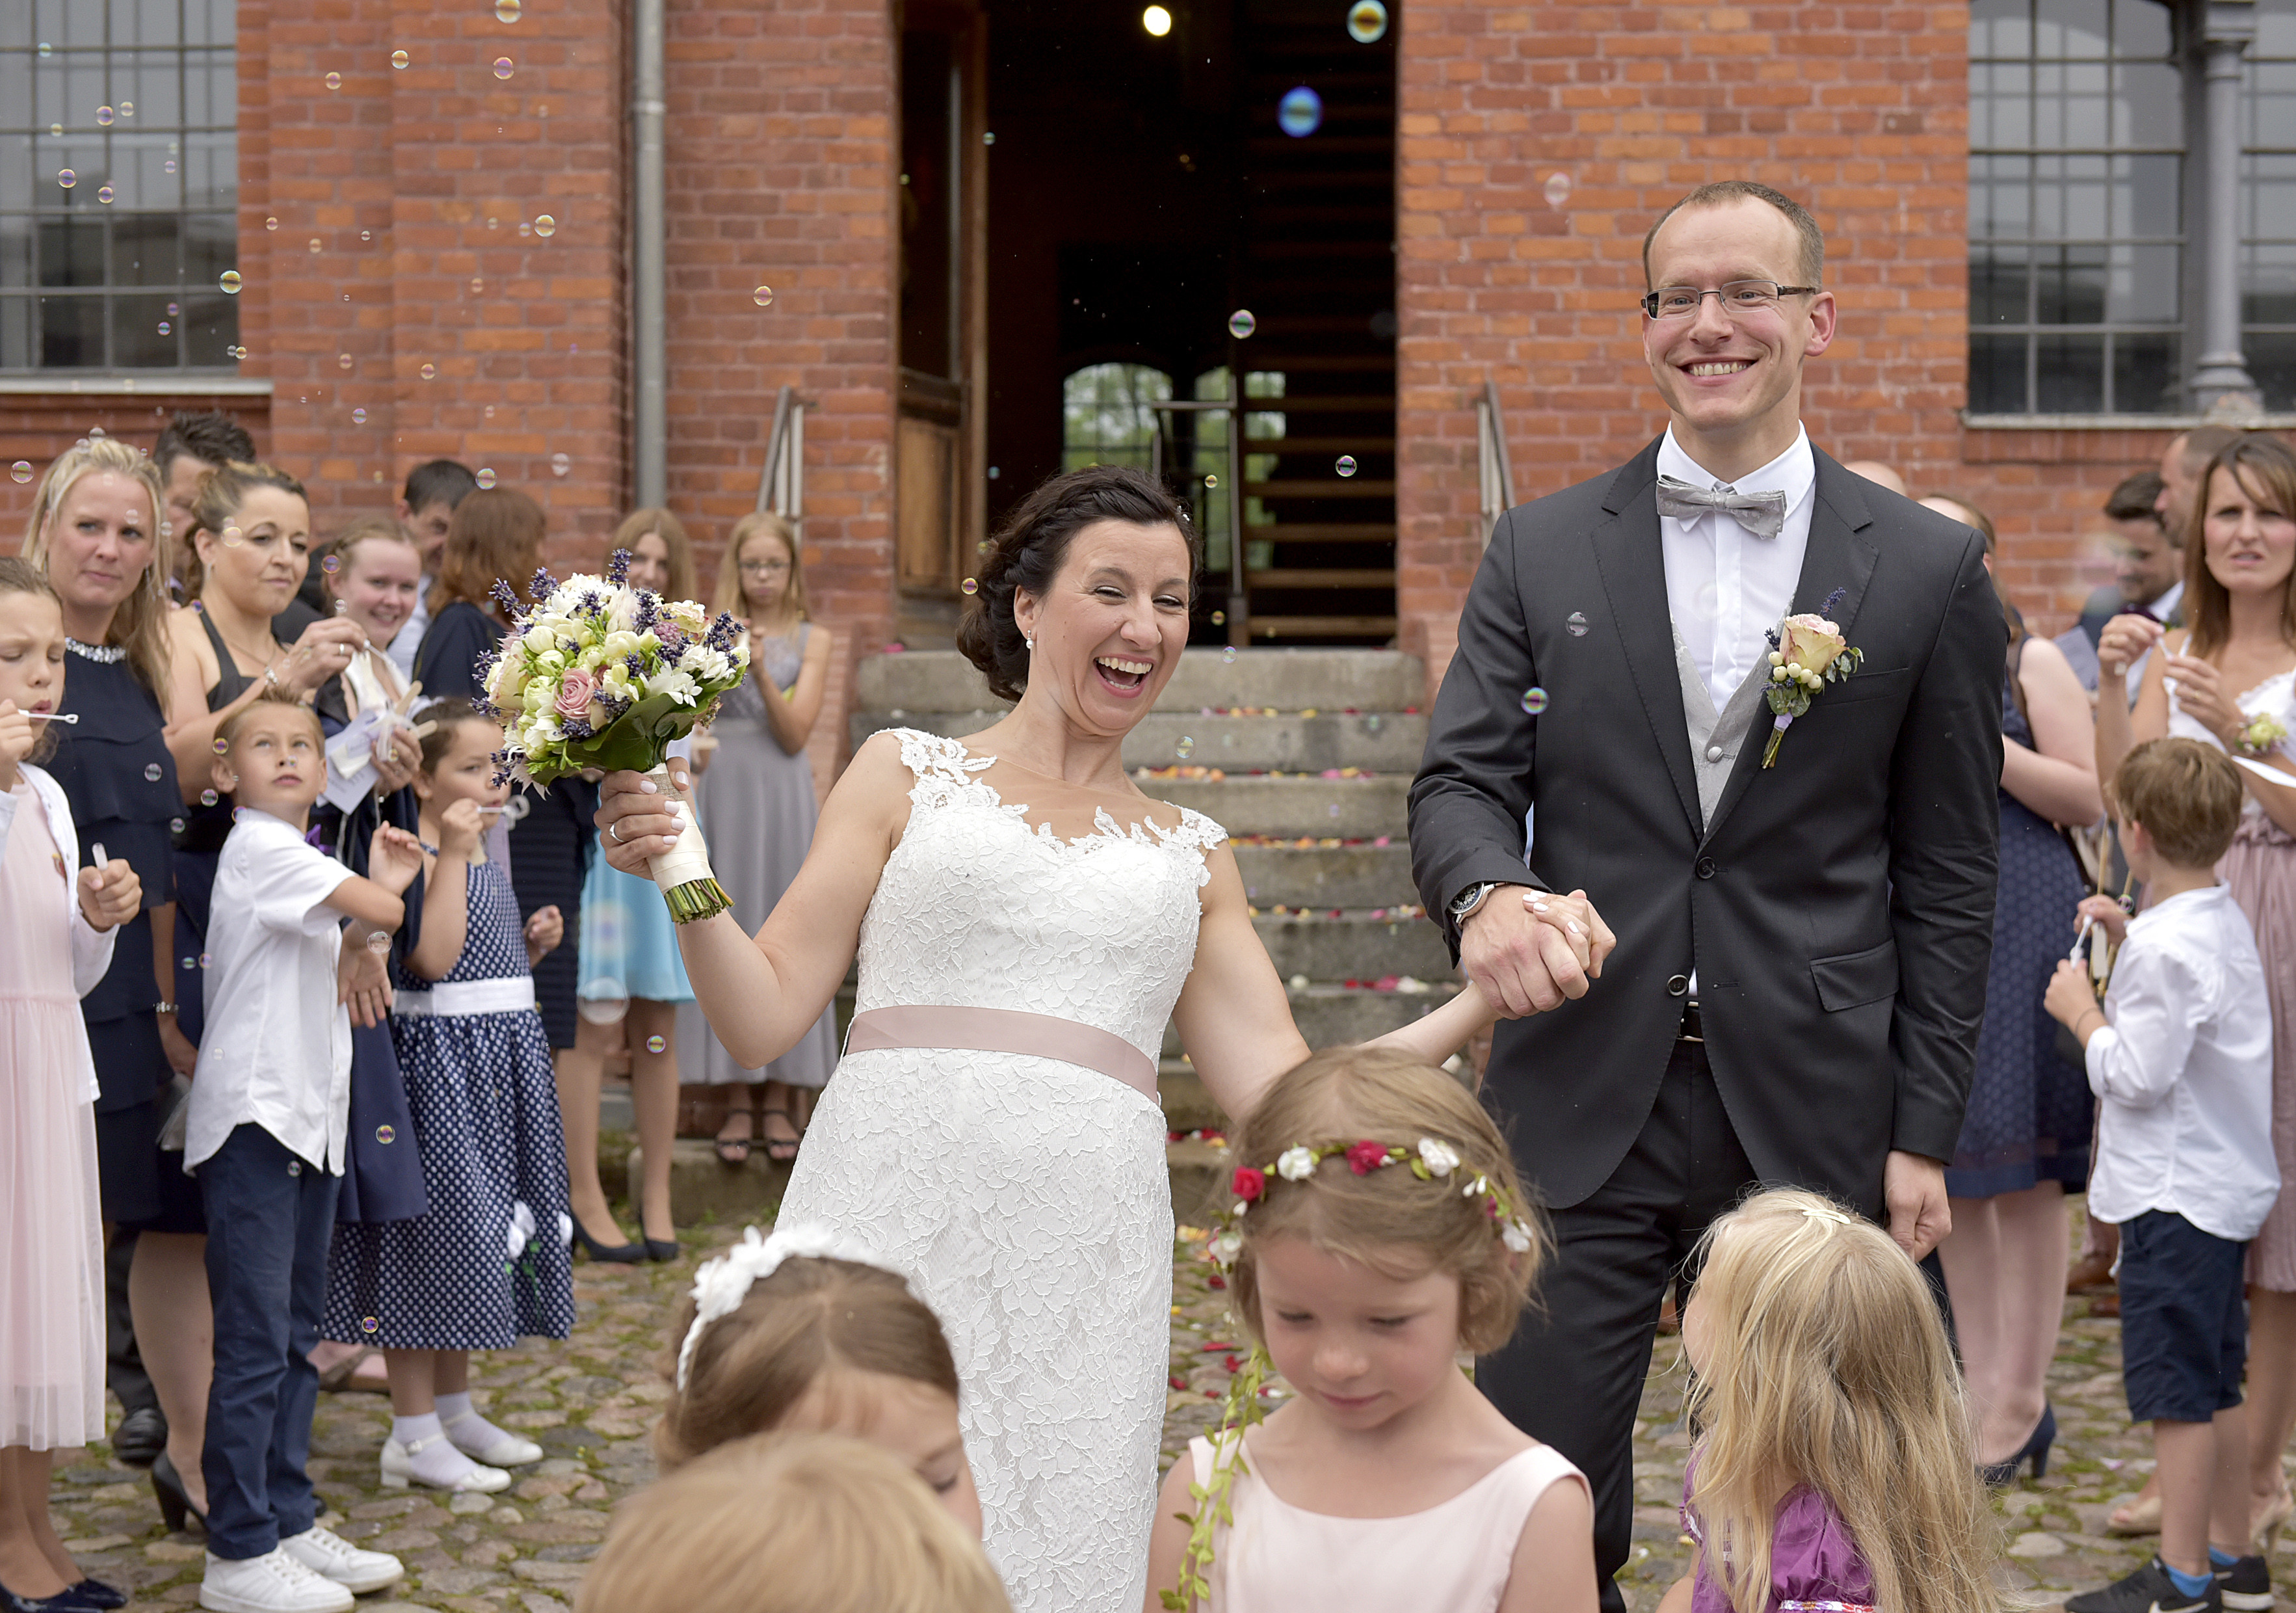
{"points": [[1801, 948]]}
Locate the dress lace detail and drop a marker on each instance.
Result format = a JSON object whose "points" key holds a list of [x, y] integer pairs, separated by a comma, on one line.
{"points": [[1025, 1198], [2276, 694]]}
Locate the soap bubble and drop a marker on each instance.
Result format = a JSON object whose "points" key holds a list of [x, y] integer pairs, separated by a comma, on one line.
{"points": [[315, 243], [1534, 700], [166, 329], [103, 193], [486, 476], [21, 470], [524, 228], [378, 942], [127, 109], [168, 167], [203, 956], [1366, 21], [655, 1044], [988, 137], [502, 66], [385, 1134], [104, 115], [545, 226], [1240, 324], [763, 296], [208, 798], [67, 178], [331, 564], [1346, 466], [1575, 624], [1558, 188], [559, 464], [607, 1009], [428, 371], [1301, 112], [271, 223], [1228, 654], [151, 772], [174, 308], [368, 1324], [334, 81], [191, 963], [358, 416], [1186, 747], [1220, 618], [1211, 480], [342, 361], [398, 60], [221, 746], [506, 11]]}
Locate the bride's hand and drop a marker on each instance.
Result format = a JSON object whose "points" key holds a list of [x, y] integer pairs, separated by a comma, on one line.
{"points": [[634, 822]]}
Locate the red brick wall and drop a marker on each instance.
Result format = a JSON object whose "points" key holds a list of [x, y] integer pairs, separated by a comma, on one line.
{"points": [[1859, 112], [780, 152]]}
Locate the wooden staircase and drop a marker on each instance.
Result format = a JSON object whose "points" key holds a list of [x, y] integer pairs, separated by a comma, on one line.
{"points": [[1316, 266]]}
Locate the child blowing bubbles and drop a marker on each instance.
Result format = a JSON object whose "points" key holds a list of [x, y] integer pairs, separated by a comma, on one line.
{"points": [[1381, 1231], [1834, 1469], [803, 1332], [2181, 1058], [55, 943], [270, 1108], [487, 1264]]}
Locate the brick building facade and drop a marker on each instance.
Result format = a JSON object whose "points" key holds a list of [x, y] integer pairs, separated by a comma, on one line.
{"points": [[436, 260]]}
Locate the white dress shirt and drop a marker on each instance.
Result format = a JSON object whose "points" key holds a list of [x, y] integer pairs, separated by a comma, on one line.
{"points": [[1726, 588], [2185, 1072], [277, 1050]]}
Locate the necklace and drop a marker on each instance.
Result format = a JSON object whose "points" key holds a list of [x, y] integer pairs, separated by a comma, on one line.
{"points": [[241, 649], [102, 654]]}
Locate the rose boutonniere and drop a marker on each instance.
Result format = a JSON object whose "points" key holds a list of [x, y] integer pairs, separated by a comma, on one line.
{"points": [[2262, 734], [1807, 652]]}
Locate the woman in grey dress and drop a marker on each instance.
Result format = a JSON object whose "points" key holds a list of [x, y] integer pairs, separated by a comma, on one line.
{"points": [[755, 802]]}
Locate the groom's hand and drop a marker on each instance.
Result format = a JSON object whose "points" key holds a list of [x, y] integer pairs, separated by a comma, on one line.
{"points": [[1913, 1188], [1530, 961]]}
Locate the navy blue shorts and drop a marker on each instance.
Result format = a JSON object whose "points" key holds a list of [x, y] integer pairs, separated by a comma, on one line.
{"points": [[2184, 1318]]}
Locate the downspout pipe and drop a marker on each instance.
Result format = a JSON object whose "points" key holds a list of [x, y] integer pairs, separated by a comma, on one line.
{"points": [[649, 358]]}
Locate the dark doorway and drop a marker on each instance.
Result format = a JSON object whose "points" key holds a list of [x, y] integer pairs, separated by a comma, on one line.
{"points": [[1146, 192]]}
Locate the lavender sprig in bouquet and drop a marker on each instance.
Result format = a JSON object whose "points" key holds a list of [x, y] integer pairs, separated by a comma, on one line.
{"points": [[603, 675]]}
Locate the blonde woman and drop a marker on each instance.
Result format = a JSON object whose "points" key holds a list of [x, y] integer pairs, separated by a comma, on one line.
{"points": [[630, 972], [756, 806]]}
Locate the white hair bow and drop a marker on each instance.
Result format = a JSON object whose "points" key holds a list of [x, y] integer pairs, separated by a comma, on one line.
{"points": [[721, 1284]]}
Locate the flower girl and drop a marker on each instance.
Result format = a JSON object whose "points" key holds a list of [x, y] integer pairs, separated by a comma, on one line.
{"points": [[1379, 1232]]}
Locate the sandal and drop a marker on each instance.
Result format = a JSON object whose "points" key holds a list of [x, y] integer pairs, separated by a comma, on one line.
{"points": [[783, 1150], [734, 1150]]}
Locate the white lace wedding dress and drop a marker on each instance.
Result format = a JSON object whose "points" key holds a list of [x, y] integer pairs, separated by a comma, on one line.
{"points": [[1025, 1198]]}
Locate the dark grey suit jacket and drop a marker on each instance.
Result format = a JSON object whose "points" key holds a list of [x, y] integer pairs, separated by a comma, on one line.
{"points": [[1837, 910]]}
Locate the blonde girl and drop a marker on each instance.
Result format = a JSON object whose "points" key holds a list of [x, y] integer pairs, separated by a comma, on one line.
{"points": [[789, 1523], [802, 1331], [758, 806], [1835, 1469], [1380, 1230]]}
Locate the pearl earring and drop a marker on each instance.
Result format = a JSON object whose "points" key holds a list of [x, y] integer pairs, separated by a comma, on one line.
{"points": [[1028, 644]]}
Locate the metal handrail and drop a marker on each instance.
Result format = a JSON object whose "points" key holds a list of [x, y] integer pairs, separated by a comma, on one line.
{"points": [[781, 486], [1496, 475]]}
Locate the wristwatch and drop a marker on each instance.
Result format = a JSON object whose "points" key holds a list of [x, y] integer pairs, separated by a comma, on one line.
{"points": [[1469, 902]]}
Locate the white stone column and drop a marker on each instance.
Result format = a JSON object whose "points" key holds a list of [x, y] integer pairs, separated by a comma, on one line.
{"points": [[2220, 379]]}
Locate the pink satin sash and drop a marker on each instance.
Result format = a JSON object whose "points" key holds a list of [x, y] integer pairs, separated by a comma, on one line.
{"points": [[1005, 1030]]}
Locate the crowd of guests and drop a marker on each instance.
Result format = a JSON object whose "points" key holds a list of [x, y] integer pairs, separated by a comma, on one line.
{"points": [[306, 1013]]}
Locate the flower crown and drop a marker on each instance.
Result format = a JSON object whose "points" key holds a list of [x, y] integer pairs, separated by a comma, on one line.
{"points": [[1430, 1161], [720, 1285]]}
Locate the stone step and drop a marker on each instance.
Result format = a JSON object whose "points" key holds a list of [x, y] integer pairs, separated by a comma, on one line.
{"points": [[919, 681], [1384, 742], [1329, 1015], [1352, 808], [1355, 946], [1359, 876], [1188, 1104]]}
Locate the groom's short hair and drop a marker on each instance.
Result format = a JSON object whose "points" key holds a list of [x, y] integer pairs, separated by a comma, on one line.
{"points": [[1722, 191]]}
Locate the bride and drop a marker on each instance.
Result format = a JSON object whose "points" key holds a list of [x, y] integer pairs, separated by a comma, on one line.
{"points": [[1026, 921]]}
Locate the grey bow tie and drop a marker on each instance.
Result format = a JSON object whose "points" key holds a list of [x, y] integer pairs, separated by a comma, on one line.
{"points": [[1760, 513]]}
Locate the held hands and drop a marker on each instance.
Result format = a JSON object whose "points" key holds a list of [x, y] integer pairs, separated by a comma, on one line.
{"points": [[460, 827], [2071, 999], [544, 931], [635, 821], [2104, 913], [109, 895], [393, 858], [2123, 640], [1530, 951]]}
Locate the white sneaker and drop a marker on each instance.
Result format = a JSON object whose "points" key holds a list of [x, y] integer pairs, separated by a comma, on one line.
{"points": [[402, 1465], [332, 1557], [273, 1583], [504, 1451]]}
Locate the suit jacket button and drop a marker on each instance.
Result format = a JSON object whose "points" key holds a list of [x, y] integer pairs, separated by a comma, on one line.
{"points": [[1677, 985], [1713, 753], [1705, 868]]}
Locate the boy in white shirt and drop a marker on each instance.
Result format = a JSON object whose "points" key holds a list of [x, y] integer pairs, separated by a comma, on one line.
{"points": [[269, 1108], [2180, 1059]]}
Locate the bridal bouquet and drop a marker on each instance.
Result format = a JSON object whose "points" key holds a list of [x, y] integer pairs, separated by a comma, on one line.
{"points": [[603, 675]]}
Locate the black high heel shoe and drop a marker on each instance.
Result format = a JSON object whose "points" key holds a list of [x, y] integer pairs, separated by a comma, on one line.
{"points": [[662, 1249], [95, 1594], [175, 1500], [2000, 1474], [67, 1601], [619, 1255]]}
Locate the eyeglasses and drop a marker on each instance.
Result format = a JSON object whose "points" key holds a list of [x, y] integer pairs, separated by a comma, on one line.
{"points": [[764, 568], [1738, 297]]}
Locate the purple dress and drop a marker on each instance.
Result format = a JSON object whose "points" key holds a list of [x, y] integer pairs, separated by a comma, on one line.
{"points": [[1814, 1565]]}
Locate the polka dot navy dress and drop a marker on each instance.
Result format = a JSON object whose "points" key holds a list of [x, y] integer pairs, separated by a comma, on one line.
{"points": [[487, 1131]]}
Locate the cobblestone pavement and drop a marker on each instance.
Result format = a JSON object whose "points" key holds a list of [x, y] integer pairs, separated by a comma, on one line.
{"points": [[589, 1404]]}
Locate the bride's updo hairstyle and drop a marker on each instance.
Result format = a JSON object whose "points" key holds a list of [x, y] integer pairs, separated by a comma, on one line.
{"points": [[806, 1321], [1028, 549], [1390, 1218]]}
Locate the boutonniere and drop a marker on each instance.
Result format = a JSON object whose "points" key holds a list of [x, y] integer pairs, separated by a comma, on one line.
{"points": [[1807, 652]]}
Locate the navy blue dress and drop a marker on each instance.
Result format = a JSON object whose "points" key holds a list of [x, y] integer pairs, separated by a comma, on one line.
{"points": [[487, 1131], [2028, 1120]]}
